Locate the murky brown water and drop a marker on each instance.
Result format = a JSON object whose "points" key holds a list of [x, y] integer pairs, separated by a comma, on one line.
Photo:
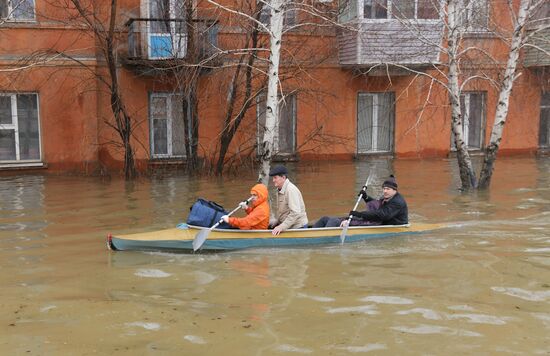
{"points": [[481, 286]]}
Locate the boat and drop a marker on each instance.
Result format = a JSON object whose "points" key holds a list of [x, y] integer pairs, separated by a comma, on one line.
{"points": [[180, 238]]}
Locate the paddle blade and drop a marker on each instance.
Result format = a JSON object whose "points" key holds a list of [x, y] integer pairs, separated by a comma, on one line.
{"points": [[343, 234], [200, 237]]}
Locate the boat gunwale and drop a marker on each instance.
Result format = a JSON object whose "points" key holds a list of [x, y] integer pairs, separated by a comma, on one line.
{"points": [[296, 230]]}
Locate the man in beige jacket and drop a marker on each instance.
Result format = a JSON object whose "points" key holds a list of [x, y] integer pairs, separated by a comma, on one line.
{"points": [[291, 210]]}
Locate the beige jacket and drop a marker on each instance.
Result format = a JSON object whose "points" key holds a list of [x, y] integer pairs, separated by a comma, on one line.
{"points": [[291, 209]]}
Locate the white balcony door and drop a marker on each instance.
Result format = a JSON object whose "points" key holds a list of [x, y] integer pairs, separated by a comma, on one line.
{"points": [[166, 29], [375, 122]]}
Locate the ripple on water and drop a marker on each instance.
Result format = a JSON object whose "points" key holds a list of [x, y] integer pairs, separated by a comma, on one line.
{"points": [[480, 318], [195, 339], [290, 348], [533, 296], [384, 299], [145, 325], [203, 278], [426, 313], [151, 273], [316, 298], [434, 329], [366, 348], [538, 250], [363, 309]]}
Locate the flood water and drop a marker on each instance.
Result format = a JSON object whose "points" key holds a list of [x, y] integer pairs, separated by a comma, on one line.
{"points": [[479, 286]]}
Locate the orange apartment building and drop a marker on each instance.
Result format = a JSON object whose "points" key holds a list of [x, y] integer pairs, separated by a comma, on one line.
{"points": [[340, 102]]}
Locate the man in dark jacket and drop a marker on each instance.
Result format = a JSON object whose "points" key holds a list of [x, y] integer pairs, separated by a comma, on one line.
{"points": [[392, 208]]}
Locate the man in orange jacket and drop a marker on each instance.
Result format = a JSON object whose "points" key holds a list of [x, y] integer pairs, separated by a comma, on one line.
{"points": [[257, 214]]}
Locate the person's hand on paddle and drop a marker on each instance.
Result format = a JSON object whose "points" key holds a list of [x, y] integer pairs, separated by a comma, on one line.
{"points": [[357, 214], [243, 205], [344, 223], [363, 194], [225, 218]]}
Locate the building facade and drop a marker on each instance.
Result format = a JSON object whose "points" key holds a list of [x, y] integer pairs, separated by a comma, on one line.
{"points": [[368, 86]]}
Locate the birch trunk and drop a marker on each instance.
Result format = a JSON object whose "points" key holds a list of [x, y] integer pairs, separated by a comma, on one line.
{"points": [[504, 96], [272, 101], [467, 173]]}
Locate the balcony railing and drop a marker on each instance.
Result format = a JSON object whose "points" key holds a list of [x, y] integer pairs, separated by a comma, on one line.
{"points": [[167, 39]]}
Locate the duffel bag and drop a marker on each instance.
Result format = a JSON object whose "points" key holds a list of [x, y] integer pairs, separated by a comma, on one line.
{"points": [[206, 213]]}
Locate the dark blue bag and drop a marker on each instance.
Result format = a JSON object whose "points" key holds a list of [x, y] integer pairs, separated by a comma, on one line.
{"points": [[206, 213]]}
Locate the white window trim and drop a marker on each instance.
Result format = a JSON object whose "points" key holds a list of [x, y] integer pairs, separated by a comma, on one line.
{"points": [[390, 18], [15, 126], [466, 122], [12, 19], [169, 123], [375, 117]]}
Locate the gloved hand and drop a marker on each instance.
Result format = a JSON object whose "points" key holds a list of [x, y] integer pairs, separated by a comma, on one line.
{"points": [[225, 218], [243, 205], [363, 193], [357, 214]]}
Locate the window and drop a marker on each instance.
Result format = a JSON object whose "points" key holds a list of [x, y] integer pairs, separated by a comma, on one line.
{"points": [[375, 122], [289, 16], [375, 9], [347, 10], [472, 105], [401, 9], [544, 132], [17, 10], [166, 124], [167, 32], [473, 15], [540, 16], [19, 129], [285, 129]]}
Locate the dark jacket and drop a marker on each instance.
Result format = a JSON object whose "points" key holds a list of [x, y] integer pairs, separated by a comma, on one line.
{"points": [[392, 212]]}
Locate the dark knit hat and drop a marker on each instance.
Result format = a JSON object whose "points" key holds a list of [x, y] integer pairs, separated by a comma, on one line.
{"points": [[278, 170], [390, 183]]}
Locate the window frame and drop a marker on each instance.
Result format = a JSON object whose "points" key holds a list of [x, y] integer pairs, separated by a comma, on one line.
{"points": [[466, 120], [169, 124], [376, 96], [15, 126], [289, 15], [471, 10], [260, 109], [390, 15], [10, 11], [173, 35]]}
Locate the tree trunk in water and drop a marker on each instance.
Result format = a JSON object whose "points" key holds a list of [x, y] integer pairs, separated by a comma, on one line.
{"points": [[272, 102], [122, 119], [504, 96], [467, 173]]}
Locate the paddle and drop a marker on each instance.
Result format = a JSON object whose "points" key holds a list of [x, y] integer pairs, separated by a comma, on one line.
{"points": [[201, 236], [345, 230]]}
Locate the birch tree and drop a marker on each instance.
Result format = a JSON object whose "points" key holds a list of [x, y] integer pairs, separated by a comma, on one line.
{"points": [[275, 31], [462, 65]]}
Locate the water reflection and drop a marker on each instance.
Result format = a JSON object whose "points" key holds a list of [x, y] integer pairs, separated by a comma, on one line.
{"points": [[479, 283]]}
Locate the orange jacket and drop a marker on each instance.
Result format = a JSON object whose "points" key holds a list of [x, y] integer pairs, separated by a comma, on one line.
{"points": [[257, 215]]}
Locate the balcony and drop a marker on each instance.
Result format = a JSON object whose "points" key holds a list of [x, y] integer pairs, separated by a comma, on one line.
{"points": [[537, 49], [161, 43], [407, 33]]}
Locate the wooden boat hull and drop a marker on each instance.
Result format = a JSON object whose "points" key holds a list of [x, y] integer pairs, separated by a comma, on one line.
{"points": [[180, 239]]}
